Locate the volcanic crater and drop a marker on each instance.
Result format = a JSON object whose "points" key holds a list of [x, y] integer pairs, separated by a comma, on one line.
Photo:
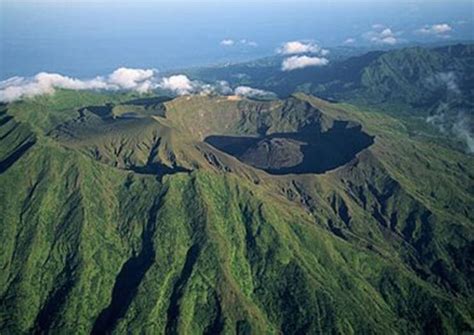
{"points": [[158, 136], [297, 152]]}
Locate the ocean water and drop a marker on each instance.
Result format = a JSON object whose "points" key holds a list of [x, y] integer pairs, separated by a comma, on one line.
{"points": [[88, 38]]}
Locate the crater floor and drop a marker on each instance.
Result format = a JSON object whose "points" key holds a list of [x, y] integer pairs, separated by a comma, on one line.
{"points": [[298, 152]]}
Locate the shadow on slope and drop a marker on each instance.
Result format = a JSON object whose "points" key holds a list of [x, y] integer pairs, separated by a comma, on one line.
{"points": [[148, 102], [128, 280], [15, 140], [299, 152], [130, 141]]}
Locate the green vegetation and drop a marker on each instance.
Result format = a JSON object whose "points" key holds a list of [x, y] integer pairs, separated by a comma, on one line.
{"points": [[409, 76], [116, 216], [416, 84]]}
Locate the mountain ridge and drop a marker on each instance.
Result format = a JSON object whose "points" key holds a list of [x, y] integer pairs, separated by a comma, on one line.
{"points": [[374, 245], [429, 88]]}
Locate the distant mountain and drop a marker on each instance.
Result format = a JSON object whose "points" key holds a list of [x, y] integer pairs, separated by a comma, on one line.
{"points": [[200, 214], [405, 75], [433, 83]]}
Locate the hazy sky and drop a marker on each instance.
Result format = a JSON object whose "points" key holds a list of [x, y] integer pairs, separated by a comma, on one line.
{"points": [[90, 37]]}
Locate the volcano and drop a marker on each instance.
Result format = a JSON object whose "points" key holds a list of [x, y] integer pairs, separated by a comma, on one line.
{"points": [[214, 214]]}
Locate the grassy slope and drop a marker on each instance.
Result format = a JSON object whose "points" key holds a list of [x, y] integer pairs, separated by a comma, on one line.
{"points": [[88, 246]]}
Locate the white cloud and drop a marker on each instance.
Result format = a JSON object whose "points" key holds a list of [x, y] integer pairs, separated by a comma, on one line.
{"points": [[387, 32], [382, 35], [378, 26], [298, 47], [249, 43], [324, 52], [129, 79], [391, 40], [462, 130], [440, 30], [299, 62], [222, 87], [243, 42], [350, 41], [447, 80], [227, 42], [454, 122], [246, 42], [140, 80], [246, 91], [45, 83], [450, 118], [179, 84]]}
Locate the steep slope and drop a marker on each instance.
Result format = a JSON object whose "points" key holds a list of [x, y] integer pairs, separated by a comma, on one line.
{"points": [[143, 144], [418, 77], [16, 139], [380, 244]]}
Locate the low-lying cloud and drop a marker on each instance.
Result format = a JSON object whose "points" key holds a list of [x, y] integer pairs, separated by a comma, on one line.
{"points": [[305, 54], [349, 40], [382, 35], [299, 47], [451, 121], [378, 26], [463, 131], [179, 84], [139, 80], [132, 79], [439, 30], [450, 117], [250, 92], [447, 80], [249, 43], [300, 62], [45, 83], [228, 42]]}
